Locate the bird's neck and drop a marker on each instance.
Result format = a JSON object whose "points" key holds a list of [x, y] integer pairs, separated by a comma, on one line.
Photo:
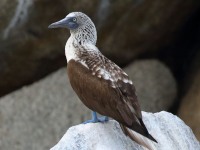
{"points": [[85, 35], [75, 48]]}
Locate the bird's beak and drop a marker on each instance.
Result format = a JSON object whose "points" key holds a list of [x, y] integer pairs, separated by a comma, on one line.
{"points": [[60, 24]]}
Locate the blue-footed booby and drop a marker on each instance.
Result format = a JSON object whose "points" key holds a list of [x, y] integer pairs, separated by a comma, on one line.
{"points": [[99, 83]]}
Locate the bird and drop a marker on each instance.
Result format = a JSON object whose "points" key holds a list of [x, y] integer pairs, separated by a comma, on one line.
{"points": [[100, 84]]}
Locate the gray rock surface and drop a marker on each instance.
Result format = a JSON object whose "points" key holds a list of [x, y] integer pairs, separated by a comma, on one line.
{"points": [[35, 117], [155, 85], [170, 132], [28, 49]]}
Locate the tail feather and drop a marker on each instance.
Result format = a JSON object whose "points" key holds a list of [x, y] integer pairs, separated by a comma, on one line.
{"points": [[138, 138], [147, 134]]}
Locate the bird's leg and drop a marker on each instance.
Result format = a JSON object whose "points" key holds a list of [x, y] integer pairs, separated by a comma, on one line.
{"points": [[96, 119]]}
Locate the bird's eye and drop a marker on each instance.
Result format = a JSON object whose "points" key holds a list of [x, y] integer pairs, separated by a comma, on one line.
{"points": [[74, 19]]}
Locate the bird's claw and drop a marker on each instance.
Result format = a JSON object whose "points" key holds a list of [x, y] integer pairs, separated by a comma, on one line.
{"points": [[96, 119], [100, 119]]}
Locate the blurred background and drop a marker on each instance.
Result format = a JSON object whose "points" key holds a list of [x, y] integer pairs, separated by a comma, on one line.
{"points": [[156, 42]]}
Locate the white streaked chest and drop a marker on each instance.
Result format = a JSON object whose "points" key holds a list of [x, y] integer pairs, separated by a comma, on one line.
{"points": [[70, 50]]}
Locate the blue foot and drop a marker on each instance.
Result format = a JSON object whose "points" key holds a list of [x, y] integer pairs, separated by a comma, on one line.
{"points": [[95, 119]]}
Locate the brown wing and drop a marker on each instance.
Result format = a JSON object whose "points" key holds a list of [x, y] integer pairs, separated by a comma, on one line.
{"points": [[126, 89], [94, 92], [106, 97], [131, 109], [116, 78]]}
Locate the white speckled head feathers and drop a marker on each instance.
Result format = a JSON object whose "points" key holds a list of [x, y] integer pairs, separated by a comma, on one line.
{"points": [[86, 30]]}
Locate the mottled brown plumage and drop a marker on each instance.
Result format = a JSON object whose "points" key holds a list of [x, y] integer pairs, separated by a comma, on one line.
{"points": [[99, 83], [103, 97]]}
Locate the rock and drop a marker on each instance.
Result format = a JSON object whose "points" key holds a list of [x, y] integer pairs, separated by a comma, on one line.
{"points": [[170, 132], [29, 51], [138, 26], [189, 108], [155, 85], [35, 117]]}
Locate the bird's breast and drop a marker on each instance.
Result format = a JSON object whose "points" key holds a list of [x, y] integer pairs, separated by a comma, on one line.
{"points": [[70, 51]]}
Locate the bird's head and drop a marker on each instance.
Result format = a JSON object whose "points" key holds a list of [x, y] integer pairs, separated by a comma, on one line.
{"points": [[79, 25]]}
